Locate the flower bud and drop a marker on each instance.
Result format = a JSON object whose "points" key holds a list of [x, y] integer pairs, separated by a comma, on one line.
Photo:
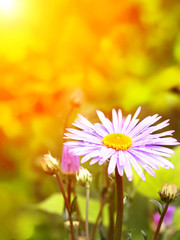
{"points": [[168, 192], [69, 162], [68, 227], [49, 164], [76, 98], [84, 177]]}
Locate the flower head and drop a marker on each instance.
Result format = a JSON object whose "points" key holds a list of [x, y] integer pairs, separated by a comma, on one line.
{"points": [[50, 164], [69, 162], [168, 192], [124, 143]]}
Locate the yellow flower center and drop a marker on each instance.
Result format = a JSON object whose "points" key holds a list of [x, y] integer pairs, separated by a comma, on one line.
{"points": [[117, 141]]}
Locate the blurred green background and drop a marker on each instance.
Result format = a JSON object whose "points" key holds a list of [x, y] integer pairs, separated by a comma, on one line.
{"points": [[121, 54]]}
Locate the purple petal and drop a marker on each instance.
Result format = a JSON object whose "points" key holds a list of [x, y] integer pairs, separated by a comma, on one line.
{"points": [[126, 123], [136, 166], [104, 155], [94, 160], [104, 151], [143, 125], [121, 158], [127, 168], [149, 170], [119, 167], [87, 138], [143, 158], [149, 136], [148, 150], [160, 149], [134, 121], [162, 162], [90, 155], [120, 119], [108, 154], [81, 126], [161, 125], [105, 121], [83, 150], [100, 129], [166, 133], [84, 121], [112, 164]]}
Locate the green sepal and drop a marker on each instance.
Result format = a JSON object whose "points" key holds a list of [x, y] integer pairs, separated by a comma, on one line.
{"points": [[125, 197], [73, 205], [158, 205]]}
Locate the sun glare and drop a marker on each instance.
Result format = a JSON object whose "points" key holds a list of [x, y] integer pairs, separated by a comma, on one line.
{"points": [[7, 5]]}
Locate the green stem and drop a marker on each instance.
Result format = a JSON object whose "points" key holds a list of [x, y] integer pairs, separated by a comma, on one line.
{"points": [[111, 209], [160, 221], [87, 211], [67, 205], [69, 189], [82, 223], [119, 216]]}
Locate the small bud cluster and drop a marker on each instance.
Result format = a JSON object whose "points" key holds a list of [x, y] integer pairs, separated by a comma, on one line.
{"points": [[168, 192], [49, 164], [84, 177]]}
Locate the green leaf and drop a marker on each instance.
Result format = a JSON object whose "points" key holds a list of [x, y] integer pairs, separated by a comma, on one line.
{"points": [[144, 235], [55, 204], [73, 205], [158, 205]]}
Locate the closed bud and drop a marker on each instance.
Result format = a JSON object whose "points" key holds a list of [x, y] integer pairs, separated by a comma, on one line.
{"points": [[168, 192], [49, 164], [69, 162], [84, 177]]}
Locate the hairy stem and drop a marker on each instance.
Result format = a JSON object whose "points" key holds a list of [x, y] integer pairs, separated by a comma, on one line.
{"points": [[67, 205], [160, 221], [119, 216]]}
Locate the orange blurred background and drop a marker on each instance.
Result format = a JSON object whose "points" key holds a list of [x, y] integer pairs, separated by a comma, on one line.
{"points": [[118, 53]]}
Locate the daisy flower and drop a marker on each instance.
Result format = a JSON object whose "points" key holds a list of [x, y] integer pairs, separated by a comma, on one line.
{"points": [[124, 143]]}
